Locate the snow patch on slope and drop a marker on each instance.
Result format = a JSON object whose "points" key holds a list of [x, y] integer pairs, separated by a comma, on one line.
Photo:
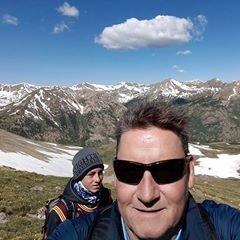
{"points": [[60, 164], [58, 160], [224, 166]]}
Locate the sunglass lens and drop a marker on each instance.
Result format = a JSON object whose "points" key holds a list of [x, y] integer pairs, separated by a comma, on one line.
{"points": [[169, 171], [127, 172]]}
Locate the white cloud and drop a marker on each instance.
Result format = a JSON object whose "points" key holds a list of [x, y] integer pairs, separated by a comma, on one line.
{"points": [[68, 10], [8, 19], [176, 67], [200, 23], [161, 31], [186, 52], [60, 27]]}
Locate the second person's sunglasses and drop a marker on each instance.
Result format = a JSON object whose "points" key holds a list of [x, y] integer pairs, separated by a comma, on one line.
{"points": [[163, 172]]}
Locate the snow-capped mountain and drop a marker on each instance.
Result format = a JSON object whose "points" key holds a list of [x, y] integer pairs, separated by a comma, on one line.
{"points": [[126, 91], [13, 93], [89, 112], [172, 88]]}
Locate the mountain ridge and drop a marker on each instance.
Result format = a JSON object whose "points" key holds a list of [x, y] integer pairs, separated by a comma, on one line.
{"points": [[87, 113]]}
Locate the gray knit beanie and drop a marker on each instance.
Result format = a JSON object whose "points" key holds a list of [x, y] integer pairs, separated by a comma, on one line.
{"points": [[84, 161]]}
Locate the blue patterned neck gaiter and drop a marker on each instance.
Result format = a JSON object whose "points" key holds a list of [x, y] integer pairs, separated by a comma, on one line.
{"points": [[91, 198]]}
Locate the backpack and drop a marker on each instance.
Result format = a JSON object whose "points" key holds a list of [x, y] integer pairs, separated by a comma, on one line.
{"points": [[66, 208]]}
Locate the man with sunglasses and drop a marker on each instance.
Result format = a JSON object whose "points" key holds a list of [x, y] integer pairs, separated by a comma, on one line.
{"points": [[154, 172]]}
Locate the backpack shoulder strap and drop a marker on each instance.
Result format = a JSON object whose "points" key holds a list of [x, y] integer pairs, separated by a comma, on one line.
{"points": [[208, 226], [70, 207], [61, 210]]}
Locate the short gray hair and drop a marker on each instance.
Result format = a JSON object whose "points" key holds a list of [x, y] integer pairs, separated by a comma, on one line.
{"points": [[152, 113]]}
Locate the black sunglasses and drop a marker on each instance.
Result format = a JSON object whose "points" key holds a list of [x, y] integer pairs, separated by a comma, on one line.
{"points": [[163, 172]]}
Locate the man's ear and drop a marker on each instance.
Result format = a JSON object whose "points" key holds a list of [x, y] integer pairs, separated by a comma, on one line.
{"points": [[191, 172]]}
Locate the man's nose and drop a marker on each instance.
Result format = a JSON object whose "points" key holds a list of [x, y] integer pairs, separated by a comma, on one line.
{"points": [[148, 191]]}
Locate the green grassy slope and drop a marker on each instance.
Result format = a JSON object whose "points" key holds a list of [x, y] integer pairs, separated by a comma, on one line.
{"points": [[22, 194]]}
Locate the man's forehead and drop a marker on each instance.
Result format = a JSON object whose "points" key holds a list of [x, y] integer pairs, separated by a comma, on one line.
{"points": [[147, 137], [155, 142], [149, 134]]}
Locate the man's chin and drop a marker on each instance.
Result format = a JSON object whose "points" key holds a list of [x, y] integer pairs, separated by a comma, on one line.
{"points": [[150, 230], [150, 234]]}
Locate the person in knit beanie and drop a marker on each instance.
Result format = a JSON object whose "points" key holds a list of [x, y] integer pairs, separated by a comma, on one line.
{"points": [[84, 193], [85, 160]]}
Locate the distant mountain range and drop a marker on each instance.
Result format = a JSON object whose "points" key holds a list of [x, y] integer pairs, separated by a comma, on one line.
{"points": [[87, 113]]}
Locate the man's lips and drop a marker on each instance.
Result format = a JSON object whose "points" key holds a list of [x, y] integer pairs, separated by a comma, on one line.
{"points": [[149, 210]]}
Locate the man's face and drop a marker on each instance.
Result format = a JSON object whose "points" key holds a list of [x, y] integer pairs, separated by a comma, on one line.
{"points": [[93, 180], [149, 209]]}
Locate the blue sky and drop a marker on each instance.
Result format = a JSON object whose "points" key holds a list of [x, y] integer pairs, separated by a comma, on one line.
{"points": [[53, 42]]}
